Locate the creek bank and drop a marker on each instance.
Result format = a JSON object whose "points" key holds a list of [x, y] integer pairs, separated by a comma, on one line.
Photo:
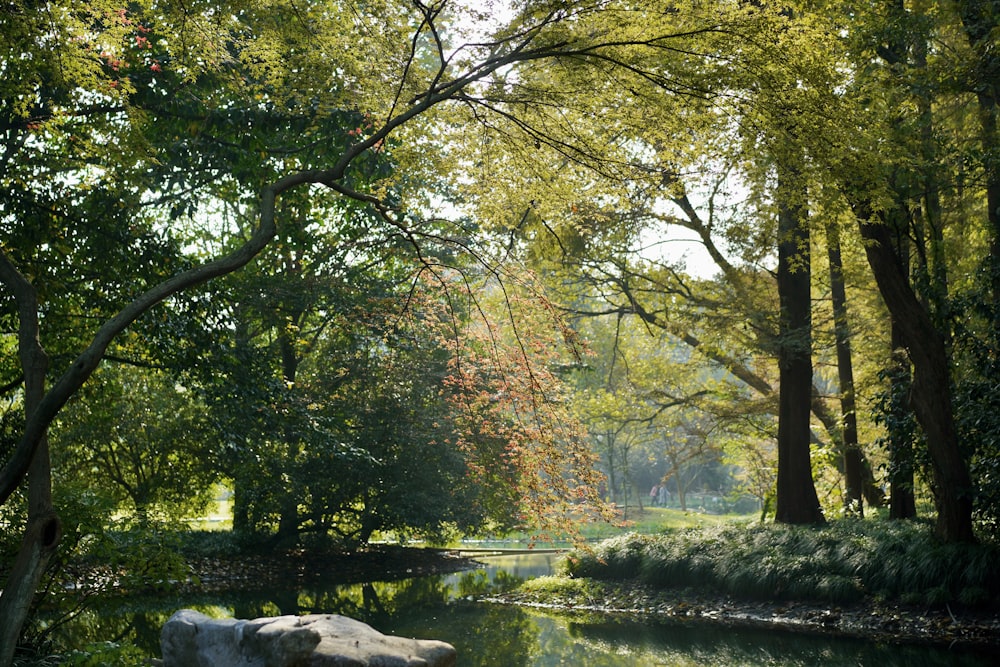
{"points": [[977, 630], [256, 571]]}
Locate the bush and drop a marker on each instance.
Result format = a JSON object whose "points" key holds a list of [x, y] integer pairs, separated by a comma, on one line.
{"points": [[617, 558], [107, 654], [209, 543], [842, 562], [551, 585]]}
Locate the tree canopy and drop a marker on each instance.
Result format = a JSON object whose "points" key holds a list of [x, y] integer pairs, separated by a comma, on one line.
{"points": [[430, 243]]}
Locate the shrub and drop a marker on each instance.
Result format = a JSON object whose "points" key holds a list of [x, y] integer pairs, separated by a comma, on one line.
{"points": [[106, 654], [841, 562], [553, 585], [974, 596], [209, 543], [617, 558], [838, 588]]}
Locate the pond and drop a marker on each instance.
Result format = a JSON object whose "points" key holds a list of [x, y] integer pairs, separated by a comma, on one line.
{"points": [[494, 635]]}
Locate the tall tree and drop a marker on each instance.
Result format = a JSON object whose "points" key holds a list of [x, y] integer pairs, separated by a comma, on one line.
{"points": [[889, 207], [796, 499], [854, 463], [643, 407], [624, 187], [931, 396]]}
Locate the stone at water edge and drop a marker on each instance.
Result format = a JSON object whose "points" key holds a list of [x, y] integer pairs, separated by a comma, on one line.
{"points": [[192, 639]]}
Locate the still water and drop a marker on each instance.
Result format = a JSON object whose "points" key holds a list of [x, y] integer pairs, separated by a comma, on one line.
{"points": [[492, 635]]}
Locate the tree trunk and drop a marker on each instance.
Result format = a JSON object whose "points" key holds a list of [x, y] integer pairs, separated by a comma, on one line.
{"points": [[833, 426], [853, 457], [765, 506], [932, 394], [938, 270], [797, 502], [43, 532], [681, 494], [612, 467], [241, 507], [902, 464], [902, 502], [39, 543]]}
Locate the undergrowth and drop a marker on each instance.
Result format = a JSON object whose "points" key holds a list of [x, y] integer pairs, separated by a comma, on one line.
{"points": [[845, 561]]}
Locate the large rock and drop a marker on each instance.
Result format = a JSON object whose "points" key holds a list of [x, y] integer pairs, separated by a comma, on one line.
{"points": [[191, 639]]}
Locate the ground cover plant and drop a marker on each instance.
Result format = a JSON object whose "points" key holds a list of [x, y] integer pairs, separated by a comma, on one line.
{"points": [[847, 561]]}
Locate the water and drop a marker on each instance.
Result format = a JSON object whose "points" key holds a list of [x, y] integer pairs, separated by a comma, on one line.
{"points": [[492, 635]]}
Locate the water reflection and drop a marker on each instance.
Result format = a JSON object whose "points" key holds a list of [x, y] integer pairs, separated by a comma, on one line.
{"points": [[495, 636], [489, 635], [680, 643]]}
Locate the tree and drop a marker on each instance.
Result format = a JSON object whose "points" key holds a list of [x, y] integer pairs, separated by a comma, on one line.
{"points": [[268, 329], [893, 173], [796, 496], [600, 207], [932, 406], [796, 499], [687, 447], [854, 464], [368, 397], [890, 208], [612, 406], [644, 406], [205, 77], [615, 439], [143, 436], [522, 441]]}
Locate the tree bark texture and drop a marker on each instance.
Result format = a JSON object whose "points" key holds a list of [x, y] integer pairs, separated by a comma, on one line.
{"points": [[931, 396], [797, 502], [853, 456], [41, 537], [902, 501]]}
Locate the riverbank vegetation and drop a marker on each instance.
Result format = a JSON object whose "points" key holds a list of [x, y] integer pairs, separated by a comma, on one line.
{"points": [[886, 581], [846, 561]]}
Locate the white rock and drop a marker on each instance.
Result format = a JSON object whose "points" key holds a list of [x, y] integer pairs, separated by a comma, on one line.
{"points": [[191, 639]]}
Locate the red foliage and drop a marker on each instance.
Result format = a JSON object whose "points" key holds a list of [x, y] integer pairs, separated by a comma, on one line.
{"points": [[516, 428]]}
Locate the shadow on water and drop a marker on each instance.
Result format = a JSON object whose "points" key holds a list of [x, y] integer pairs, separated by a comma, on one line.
{"points": [[493, 635]]}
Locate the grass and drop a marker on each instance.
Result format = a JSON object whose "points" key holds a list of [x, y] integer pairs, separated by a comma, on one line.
{"points": [[846, 561], [659, 519], [652, 520]]}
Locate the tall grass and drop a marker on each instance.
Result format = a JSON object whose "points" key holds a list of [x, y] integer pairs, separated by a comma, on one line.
{"points": [[845, 561]]}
